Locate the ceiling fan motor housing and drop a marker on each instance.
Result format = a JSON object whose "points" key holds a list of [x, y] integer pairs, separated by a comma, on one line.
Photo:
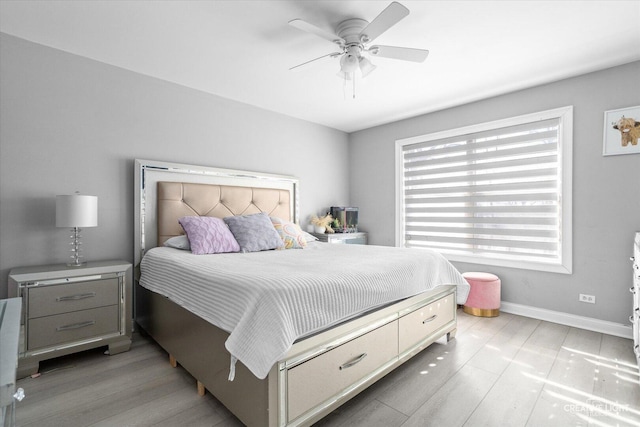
{"points": [[350, 30]]}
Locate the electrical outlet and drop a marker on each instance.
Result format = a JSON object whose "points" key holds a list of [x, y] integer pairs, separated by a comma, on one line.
{"points": [[591, 299]]}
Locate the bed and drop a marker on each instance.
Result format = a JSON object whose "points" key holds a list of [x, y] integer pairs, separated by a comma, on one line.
{"points": [[297, 360]]}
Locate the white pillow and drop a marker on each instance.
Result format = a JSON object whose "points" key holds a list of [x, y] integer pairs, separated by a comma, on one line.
{"points": [[178, 242]]}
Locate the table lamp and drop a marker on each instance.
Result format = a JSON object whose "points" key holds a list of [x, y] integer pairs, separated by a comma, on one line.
{"points": [[76, 212]]}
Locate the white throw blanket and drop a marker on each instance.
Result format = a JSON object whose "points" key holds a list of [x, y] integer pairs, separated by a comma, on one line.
{"points": [[268, 300]]}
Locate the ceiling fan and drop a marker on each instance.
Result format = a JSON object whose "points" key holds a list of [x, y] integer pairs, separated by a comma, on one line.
{"points": [[353, 37]]}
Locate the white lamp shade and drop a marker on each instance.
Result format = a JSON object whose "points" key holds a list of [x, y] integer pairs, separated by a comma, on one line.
{"points": [[348, 63], [366, 66], [76, 211]]}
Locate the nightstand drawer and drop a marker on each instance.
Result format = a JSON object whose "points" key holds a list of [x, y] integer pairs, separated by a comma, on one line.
{"points": [[69, 327], [56, 299]]}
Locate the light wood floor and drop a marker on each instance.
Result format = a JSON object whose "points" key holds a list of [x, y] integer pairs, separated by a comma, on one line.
{"points": [[503, 371]]}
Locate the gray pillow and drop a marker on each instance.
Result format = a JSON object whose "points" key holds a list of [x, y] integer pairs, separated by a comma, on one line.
{"points": [[254, 232]]}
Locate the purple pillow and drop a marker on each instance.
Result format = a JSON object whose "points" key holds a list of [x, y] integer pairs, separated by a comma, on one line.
{"points": [[208, 235]]}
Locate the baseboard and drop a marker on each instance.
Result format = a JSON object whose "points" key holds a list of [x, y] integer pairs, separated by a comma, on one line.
{"points": [[588, 323]]}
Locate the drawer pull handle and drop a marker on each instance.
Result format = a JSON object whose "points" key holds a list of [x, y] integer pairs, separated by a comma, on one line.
{"points": [[354, 361], [76, 325], [430, 319], [77, 297]]}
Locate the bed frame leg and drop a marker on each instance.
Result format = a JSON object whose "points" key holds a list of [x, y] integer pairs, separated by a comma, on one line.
{"points": [[173, 362], [451, 335], [201, 389]]}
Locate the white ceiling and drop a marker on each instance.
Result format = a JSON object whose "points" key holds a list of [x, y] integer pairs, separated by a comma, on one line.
{"points": [[242, 50]]}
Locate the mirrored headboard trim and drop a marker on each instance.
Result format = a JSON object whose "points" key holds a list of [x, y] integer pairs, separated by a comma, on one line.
{"points": [[149, 172]]}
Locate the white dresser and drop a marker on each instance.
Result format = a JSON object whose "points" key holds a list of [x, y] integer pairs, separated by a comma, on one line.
{"points": [[635, 290]]}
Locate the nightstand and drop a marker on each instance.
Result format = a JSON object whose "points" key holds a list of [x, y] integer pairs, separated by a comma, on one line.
{"points": [[357, 238], [69, 309]]}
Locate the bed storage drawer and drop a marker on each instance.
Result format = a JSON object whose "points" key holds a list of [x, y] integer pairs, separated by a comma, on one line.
{"points": [[57, 299], [421, 323], [63, 328], [326, 375]]}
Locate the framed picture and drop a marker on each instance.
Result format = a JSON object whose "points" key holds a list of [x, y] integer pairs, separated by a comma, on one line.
{"points": [[621, 131]]}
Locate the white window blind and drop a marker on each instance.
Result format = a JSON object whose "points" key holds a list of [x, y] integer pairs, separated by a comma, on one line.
{"points": [[494, 193]]}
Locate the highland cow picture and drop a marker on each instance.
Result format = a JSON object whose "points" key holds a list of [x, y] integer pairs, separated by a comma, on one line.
{"points": [[621, 131]]}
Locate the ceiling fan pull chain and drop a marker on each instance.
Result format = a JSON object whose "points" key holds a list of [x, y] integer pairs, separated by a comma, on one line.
{"points": [[344, 87], [354, 85]]}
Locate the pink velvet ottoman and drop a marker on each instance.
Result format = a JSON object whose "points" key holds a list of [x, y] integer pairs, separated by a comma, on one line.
{"points": [[484, 296]]}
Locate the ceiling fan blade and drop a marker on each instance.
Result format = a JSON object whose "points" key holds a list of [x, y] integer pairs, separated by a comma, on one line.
{"points": [[387, 19], [402, 53], [310, 28], [305, 64]]}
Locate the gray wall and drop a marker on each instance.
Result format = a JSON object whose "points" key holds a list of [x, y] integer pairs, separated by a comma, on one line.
{"points": [[606, 196], [68, 123]]}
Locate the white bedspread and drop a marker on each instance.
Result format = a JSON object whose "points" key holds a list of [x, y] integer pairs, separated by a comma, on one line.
{"points": [[267, 300]]}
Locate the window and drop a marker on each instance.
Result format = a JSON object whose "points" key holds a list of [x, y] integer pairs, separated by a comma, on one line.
{"points": [[497, 193]]}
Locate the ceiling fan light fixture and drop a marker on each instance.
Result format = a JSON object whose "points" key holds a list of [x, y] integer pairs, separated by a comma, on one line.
{"points": [[366, 67], [348, 63]]}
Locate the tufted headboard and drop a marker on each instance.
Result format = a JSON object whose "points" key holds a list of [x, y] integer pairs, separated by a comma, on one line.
{"points": [[178, 199], [166, 191]]}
